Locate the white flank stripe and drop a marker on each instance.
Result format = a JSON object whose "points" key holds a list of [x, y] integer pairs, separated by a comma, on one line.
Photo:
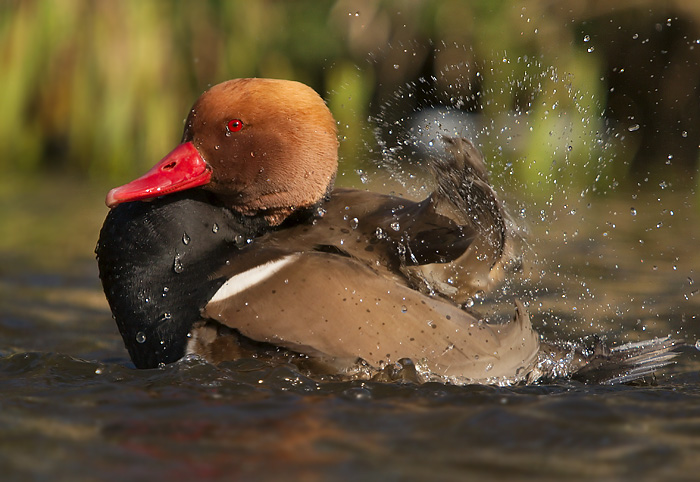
{"points": [[243, 281]]}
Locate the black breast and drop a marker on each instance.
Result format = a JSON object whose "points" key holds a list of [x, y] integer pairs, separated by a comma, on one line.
{"points": [[157, 262]]}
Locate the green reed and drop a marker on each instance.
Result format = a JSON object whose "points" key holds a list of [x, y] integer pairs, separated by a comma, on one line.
{"points": [[103, 87]]}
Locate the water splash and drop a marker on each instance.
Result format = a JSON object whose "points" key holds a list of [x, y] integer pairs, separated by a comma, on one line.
{"points": [[545, 143]]}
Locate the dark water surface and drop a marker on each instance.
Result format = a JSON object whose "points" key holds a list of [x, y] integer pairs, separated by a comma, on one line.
{"points": [[73, 408]]}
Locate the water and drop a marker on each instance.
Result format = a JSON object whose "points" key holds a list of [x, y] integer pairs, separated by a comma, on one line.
{"points": [[258, 423], [74, 408]]}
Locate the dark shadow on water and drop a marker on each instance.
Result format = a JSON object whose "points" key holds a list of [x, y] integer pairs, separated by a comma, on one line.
{"points": [[248, 420]]}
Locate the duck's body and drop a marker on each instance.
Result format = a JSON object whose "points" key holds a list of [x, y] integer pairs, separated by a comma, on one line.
{"points": [[324, 286], [259, 251]]}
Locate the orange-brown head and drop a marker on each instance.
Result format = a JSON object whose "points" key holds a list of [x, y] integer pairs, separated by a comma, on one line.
{"points": [[263, 146]]}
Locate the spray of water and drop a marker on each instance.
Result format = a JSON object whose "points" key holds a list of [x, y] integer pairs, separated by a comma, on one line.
{"points": [[547, 146]]}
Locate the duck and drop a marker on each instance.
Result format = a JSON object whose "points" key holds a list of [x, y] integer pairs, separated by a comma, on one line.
{"points": [[237, 244]]}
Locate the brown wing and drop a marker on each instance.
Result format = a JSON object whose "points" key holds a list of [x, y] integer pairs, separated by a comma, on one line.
{"points": [[339, 309], [454, 243], [401, 239], [464, 195]]}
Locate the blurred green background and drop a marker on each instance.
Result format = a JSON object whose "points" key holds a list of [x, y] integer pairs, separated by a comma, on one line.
{"points": [[574, 96], [101, 88]]}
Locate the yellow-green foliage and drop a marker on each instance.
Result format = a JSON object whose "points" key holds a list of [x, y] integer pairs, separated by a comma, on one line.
{"points": [[103, 86]]}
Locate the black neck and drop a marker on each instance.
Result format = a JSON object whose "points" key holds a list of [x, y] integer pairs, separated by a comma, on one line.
{"points": [[157, 262]]}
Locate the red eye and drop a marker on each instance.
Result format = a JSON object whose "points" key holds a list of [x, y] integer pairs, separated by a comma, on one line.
{"points": [[234, 125]]}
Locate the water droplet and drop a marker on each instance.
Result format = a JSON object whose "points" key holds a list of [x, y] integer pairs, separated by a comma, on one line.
{"points": [[140, 337], [395, 226], [633, 127], [354, 222], [449, 348], [379, 233], [396, 66], [697, 345], [633, 211], [586, 38], [166, 316], [363, 176], [177, 264], [215, 228], [185, 239], [320, 212], [404, 309], [165, 291], [358, 393]]}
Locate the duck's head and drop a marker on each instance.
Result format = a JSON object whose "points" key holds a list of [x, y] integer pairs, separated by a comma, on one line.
{"points": [[262, 146]]}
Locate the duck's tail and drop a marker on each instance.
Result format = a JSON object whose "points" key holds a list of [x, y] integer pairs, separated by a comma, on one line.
{"points": [[602, 364]]}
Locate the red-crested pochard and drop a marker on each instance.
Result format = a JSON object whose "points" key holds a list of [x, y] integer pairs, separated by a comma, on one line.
{"points": [[236, 244]]}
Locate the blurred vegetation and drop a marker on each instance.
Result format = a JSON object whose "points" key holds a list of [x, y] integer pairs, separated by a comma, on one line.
{"points": [[103, 87]]}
